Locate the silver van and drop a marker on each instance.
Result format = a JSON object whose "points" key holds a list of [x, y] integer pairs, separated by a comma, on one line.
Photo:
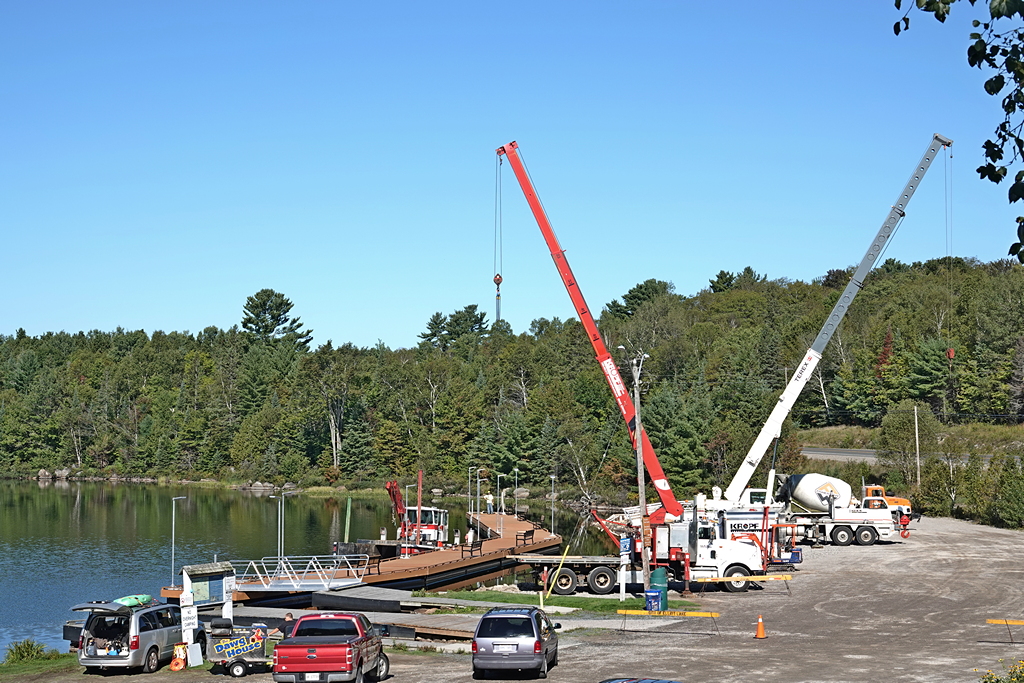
{"points": [[520, 638], [123, 636]]}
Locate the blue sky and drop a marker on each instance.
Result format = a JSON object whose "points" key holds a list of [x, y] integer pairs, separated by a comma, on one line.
{"points": [[160, 162]]}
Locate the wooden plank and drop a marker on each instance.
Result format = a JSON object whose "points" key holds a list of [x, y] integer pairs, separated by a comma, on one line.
{"points": [[773, 577], [668, 613], [1006, 622]]}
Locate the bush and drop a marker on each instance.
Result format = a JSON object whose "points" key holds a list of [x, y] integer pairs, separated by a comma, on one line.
{"points": [[1015, 674], [28, 650]]}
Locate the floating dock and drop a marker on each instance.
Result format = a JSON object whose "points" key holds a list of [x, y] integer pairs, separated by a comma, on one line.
{"points": [[293, 581]]}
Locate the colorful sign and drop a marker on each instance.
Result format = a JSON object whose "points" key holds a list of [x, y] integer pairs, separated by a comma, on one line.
{"points": [[229, 649]]}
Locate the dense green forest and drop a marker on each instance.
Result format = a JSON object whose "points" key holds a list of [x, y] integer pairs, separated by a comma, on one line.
{"points": [[256, 402]]}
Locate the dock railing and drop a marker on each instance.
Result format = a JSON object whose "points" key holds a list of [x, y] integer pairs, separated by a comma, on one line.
{"points": [[300, 572]]}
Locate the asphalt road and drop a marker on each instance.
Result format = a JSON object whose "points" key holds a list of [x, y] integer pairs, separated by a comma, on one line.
{"points": [[840, 454], [914, 610]]}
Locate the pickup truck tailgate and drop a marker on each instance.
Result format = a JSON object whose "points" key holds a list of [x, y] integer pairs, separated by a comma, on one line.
{"points": [[313, 654]]}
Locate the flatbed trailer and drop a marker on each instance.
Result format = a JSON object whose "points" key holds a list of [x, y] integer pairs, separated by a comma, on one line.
{"points": [[599, 573]]}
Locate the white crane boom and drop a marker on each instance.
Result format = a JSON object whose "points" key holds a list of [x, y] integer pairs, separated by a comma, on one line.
{"points": [[773, 425]]}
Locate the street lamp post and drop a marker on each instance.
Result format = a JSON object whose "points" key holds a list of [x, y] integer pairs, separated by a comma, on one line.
{"points": [[478, 470], [469, 492], [280, 526], [552, 502], [515, 498], [501, 508], [174, 515], [636, 365]]}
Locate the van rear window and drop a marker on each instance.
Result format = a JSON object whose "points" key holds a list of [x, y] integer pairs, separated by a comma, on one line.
{"points": [[506, 627]]}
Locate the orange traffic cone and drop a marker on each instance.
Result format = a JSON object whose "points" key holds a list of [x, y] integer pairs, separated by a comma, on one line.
{"points": [[760, 628]]}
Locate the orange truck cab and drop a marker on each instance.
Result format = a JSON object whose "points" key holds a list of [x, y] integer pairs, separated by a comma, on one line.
{"points": [[899, 506]]}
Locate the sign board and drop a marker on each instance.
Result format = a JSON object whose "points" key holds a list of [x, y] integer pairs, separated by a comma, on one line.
{"points": [[186, 599], [189, 619], [625, 545], [647, 531], [229, 587]]}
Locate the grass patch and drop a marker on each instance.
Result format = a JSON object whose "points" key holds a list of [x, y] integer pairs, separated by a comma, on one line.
{"points": [[19, 671], [584, 603], [845, 436]]}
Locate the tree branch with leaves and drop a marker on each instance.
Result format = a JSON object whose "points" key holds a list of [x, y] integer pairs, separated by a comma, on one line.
{"points": [[1000, 49]]}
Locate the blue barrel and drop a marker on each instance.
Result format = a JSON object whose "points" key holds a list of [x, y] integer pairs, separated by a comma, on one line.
{"points": [[652, 600]]}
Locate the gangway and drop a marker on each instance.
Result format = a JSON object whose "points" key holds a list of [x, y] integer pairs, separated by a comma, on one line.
{"points": [[299, 572]]}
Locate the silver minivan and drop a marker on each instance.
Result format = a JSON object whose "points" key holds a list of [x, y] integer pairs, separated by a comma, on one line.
{"points": [[515, 638], [123, 636]]}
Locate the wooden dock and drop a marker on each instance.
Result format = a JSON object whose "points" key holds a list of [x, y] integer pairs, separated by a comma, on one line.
{"points": [[503, 536]]}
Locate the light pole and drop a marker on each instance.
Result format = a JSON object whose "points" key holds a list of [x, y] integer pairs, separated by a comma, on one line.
{"points": [[500, 506], [280, 526], [515, 498], [478, 470], [552, 502], [174, 515], [469, 492], [636, 365]]}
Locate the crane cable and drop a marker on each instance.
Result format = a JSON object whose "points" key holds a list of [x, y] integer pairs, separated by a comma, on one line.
{"points": [[948, 216], [498, 265]]}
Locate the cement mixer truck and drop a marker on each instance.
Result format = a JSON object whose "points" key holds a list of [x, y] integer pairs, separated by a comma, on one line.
{"points": [[813, 508]]}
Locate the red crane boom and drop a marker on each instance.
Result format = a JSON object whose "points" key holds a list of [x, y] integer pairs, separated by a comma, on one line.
{"points": [[611, 372]]}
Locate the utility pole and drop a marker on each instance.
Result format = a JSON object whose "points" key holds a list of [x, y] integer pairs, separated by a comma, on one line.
{"points": [[636, 365]]}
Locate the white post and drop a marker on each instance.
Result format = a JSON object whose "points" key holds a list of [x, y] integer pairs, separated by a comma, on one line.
{"points": [[174, 516]]}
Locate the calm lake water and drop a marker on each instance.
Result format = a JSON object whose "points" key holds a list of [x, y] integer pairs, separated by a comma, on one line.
{"points": [[63, 543]]}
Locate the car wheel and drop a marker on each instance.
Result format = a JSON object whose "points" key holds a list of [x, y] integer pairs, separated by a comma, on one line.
{"points": [[542, 672], [152, 661], [601, 580], [842, 535], [201, 642], [238, 669], [866, 535], [382, 669], [479, 674], [565, 581], [739, 585]]}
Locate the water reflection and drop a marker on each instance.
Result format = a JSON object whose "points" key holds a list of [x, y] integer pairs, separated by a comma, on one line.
{"points": [[62, 543]]}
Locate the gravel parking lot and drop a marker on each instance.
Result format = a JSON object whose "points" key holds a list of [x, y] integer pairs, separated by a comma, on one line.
{"points": [[908, 611]]}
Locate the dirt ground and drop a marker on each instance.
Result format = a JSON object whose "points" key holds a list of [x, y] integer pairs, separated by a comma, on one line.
{"points": [[914, 610]]}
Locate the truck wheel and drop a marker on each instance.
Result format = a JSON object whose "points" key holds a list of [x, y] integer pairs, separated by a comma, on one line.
{"points": [[383, 668], [738, 586], [866, 535], [565, 581], [152, 661], [601, 580], [842, 535], [238, 669], [359, 673]]}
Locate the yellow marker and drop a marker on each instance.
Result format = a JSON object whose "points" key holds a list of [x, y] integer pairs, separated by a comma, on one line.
{"points": [[667, 613], [1006, 622], [773, 577]]}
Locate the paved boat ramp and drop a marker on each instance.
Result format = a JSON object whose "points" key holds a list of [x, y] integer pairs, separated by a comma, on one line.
{"points": [[389, 609]]}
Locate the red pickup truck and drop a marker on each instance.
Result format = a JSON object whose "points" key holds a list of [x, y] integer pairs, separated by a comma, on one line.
{"points": [[329, 647]]}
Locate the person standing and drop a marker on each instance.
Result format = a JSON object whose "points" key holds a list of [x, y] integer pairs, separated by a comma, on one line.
{"points": [[285, 627], [490, 503]]}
